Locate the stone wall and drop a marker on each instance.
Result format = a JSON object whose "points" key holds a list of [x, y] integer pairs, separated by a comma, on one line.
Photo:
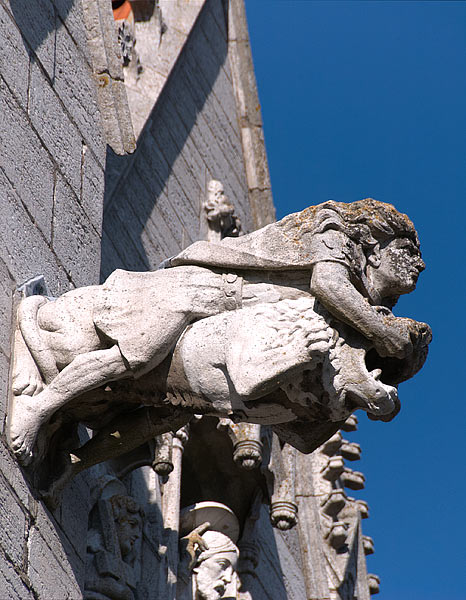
{"points": [[153, 197], [51, 186]]}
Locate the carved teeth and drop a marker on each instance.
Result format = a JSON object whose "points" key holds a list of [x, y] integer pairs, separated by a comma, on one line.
{"points": [[376, 373]]}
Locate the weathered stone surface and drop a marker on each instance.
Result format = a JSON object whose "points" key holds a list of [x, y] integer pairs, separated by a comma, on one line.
{"points": [[110, 94], [47, 571], [14, 58], [75, 241], [92, 184], [23, 247], [12, 473], [36, 22], [6, 299], [50, 121], [70, 13], [13, 528], [73, 75], [249, 116], [4, 390], [11, 584], [74, 513], [32, 176]]}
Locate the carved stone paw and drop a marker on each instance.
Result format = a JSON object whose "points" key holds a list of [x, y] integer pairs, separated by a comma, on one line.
{"points": [[24, 427], [310, 338], [27, 383]]}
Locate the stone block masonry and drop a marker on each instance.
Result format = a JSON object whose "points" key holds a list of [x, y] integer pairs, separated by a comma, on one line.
{"points": [[52, 157]]}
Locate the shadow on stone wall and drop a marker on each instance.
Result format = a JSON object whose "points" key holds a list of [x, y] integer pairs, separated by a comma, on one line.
{"points": [[135, 183], [38, 23]]}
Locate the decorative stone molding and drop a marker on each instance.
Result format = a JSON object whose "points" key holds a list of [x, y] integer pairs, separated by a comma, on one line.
{"points": [[334, 468], [303, 372], [334, 502], [283, 507], [363, 508], [163, 462], [337, 534], [350, 450], [368, 544], [353, 480], [351, 423], [332, 445]]}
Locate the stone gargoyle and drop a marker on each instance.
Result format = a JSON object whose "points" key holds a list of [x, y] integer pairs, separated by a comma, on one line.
{"points": [[289, 326]]}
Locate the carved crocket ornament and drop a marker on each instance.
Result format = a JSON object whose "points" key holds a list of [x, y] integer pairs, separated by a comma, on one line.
{"points": [[289, 326]]}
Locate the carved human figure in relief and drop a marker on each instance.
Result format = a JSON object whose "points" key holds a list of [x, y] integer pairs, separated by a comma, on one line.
{"points": [[112, 545], [209, 557], [220, 213], [215, 567], [348, 263]]}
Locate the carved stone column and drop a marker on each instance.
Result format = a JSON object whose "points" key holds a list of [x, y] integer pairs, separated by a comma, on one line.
{"points": [[171, 510]]}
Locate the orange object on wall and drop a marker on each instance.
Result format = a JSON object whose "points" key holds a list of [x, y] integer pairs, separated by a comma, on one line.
{"points": [[122, 11]]}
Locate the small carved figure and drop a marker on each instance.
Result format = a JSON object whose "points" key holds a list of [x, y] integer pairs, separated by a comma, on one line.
{"points": [[207, 569], [215, 566], [220, 213], [291, 323], [113, 541]]}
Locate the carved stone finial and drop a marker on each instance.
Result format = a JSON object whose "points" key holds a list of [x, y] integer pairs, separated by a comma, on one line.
{"points": [[368, 544], [337, 534], [283, 514], [351, 423], [334, 468], [247, 445], [334, 502], [354, 480], [163, 463], [363, 508], [350, 450], [331, 446]]}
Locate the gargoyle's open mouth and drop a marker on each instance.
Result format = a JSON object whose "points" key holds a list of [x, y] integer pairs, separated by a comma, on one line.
{"points": [[395, 370], [390, 367]]}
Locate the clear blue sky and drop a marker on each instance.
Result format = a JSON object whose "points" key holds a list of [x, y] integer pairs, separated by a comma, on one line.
{"points": [[369, 99]]}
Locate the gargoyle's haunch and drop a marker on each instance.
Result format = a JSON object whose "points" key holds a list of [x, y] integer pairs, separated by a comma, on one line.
{"points": [[277, 327]]}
